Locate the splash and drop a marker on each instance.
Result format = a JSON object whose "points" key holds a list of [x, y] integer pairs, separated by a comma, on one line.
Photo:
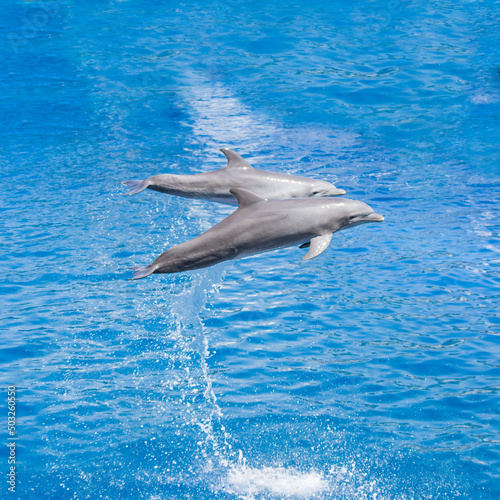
{"points": [[249, 481]]}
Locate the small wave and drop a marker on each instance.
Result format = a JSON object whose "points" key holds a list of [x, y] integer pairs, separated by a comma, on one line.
{"points": [[249, 481]]}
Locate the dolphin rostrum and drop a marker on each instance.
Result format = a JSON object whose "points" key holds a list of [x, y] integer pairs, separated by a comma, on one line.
{"points": [[238, 173], [259, 225]]}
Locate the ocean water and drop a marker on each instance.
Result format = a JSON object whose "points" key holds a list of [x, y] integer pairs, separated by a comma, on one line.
{"points": [[370, 372]]}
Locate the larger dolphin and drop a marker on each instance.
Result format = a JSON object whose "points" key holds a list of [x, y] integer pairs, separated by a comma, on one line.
{"points": [[259, 225], [216, 185]]}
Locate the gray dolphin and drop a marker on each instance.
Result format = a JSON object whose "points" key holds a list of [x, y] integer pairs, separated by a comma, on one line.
{"points": [[238, 173], [259, 225]]}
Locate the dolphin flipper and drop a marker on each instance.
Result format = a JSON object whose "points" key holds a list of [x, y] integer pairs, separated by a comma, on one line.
{"points": [[142, 271], [318, 245], [136, 186]]}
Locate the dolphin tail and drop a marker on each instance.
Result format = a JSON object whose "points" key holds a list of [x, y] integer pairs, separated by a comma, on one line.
{"points": [[142, 271], [136, 186]]}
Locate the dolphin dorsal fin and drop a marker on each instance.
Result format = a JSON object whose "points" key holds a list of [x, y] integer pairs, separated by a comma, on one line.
{"points": [[234, 160], [245, 197]]}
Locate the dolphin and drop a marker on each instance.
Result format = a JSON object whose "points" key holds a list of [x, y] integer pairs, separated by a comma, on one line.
{"points": [[216, 185], [259, 225]]}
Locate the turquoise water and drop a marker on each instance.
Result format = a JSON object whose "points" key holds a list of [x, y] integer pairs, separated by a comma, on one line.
{"points": [[370, 372]]}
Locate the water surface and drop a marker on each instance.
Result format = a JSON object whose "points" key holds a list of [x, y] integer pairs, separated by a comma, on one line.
{"points": [[370, 372]]}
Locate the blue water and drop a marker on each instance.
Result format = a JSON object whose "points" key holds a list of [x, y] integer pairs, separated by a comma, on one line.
{"points": [[370, 372]]}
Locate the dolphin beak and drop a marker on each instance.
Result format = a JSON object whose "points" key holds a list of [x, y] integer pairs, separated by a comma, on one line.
{"points": [[375, 218], [334, 192]]}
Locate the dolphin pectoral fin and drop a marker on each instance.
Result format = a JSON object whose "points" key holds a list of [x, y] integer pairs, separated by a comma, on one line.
{"points": [[136, 186], [318, 245], [234, 160], [245, 197], [307, 244], [142, 271]]}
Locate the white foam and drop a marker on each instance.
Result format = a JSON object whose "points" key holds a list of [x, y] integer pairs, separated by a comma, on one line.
{"points": [[249, 481], [485, 96]]}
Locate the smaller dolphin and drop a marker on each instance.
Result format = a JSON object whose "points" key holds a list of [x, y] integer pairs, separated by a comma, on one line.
{"points": [[238, 173], [259, 225]]}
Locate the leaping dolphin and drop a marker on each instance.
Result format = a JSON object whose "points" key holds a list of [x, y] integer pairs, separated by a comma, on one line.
{"points": [[259, 225], [216, 185]]}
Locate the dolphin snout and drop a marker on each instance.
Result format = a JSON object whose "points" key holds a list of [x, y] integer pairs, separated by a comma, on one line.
{"points": [[331, 192], [375, 217]]}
